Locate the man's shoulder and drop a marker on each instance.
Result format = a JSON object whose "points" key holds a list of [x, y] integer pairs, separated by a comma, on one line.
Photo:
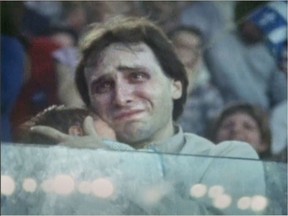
{"points": [[195, 144]]}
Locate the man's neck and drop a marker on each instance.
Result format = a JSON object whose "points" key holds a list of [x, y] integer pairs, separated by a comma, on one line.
{"points": [[160, 137]]}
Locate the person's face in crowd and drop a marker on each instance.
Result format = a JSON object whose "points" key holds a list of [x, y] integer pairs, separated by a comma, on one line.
{"points": [[103, 10], [115, 8], [250, 33], [241, 126], [164, 9], [77, 18], [129, 90], [188, 48]]}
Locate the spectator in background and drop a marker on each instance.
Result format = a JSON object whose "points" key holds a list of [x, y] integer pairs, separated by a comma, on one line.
{"points": [[242, 71], [74, 16], [204, 16], [268, 23], [40, 91], [164, 13], [65, 119], [35, 24], [204, 100], [244, 122], [99, 11], [52, 10], [66, 60], [12, 62], [278, 119], [41, 16]]}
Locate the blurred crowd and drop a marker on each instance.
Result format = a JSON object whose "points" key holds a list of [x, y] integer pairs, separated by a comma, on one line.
{"points": [[235, 53]]}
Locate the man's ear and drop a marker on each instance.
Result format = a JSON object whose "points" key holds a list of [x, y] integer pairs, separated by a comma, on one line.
{"points": [[176, 89], [75, 130]]}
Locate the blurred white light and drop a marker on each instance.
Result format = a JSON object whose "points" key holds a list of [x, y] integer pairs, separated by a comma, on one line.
{"points": [[215, 191], [29, 185], [222, 201], [154, 193], [258, 203], [7, 185], [244, 203], [198, 190], [63, 184], [85, 187], [102, 187], [152, 197]]}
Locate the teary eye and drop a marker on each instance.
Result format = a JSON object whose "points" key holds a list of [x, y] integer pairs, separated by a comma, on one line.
{"points": [[102, 86], [138, 76]]}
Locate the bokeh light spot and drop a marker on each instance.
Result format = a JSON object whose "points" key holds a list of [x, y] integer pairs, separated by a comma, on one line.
{"points": [[152, 194], [29, 185], [244, 203], [222, 201], [7, 185], [102, 187], [258, 203], [63, 184], [215, 191], [198, 190]]}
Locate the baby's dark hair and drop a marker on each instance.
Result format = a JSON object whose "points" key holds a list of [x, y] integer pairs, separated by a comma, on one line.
{"points": [[58, 117]]}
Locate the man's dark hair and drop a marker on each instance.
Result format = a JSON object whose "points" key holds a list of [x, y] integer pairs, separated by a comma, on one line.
{"points": [[57, 117], [128, 31]]}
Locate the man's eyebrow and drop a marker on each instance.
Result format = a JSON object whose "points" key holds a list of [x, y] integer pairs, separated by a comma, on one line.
{"points": [[130, 68], [100, 78], [121, 68]]}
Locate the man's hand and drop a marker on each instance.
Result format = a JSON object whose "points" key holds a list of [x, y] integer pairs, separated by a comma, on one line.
{"points": [[90, 140], [103, 129]]}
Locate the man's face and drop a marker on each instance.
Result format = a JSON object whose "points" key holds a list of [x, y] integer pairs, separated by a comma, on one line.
{"points": [[129, 91]]}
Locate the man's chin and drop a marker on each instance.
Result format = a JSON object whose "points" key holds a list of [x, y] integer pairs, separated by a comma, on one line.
{"points": [[133, 133]]}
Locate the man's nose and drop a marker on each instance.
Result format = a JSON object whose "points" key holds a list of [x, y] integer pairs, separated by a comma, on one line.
{"points": [[123, 93]]}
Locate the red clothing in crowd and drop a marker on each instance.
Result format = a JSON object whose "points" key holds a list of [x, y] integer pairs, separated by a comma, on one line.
{"points": [[40, 91]]}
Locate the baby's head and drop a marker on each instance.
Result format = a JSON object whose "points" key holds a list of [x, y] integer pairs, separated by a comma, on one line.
{"points": [[65, 119]]}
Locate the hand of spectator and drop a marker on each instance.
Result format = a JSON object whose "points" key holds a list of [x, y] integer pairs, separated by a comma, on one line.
{"points": [[91, 138]]}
